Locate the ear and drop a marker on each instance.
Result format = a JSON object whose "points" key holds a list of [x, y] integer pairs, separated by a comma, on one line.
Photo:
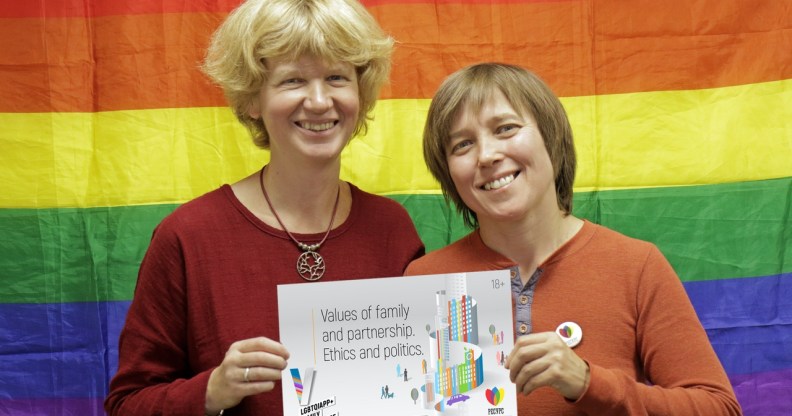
{"points": [[254, 108]]}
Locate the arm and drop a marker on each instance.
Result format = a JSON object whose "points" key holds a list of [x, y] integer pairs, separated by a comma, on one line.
{"points": [[685, 374], [673, 351], [158, 370], [153, 373]]}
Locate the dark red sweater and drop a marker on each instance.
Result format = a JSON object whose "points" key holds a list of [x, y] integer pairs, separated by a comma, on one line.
{"points": [[209, 279]]}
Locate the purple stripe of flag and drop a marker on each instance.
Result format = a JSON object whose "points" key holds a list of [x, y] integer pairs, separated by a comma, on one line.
{"points": [[767, 393], [52, 407]]}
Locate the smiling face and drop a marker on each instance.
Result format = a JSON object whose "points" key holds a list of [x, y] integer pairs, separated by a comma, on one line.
{"points": [[498, 162], [309, 107]]}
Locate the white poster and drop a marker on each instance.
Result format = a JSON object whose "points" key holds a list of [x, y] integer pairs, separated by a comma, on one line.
{"points": [[421, 345]]}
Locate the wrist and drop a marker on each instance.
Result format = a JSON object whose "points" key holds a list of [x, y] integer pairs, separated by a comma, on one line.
{"points": [[210, 406]]}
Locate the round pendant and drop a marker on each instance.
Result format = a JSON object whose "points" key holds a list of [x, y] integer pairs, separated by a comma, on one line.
{"points": [[310, 266]]}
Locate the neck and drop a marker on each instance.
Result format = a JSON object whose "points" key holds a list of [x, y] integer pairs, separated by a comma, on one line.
{"points": [[305, 198], [303, 180], [532, 240]]}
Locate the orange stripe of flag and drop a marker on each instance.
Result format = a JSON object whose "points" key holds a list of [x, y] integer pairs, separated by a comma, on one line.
{"points": [[150, 61], [105, 64], [99, 8]]}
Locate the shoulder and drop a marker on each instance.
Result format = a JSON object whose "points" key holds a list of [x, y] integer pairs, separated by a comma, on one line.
{"points": [[626, 256], [367, 200], [379, 228], [205, 203], [614, 243], [203, 212], [381, 218], [460, 256], [379, 209]]}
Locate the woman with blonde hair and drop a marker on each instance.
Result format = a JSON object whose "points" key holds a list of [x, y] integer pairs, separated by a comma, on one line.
{"points": [[201, 333]]}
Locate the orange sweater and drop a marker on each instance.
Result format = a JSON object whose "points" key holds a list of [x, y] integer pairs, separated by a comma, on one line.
{"points": [[647, 351]]}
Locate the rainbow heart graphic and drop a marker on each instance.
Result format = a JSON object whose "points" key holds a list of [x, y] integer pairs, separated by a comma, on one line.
{"points": [[494, 396], [565, 332]]}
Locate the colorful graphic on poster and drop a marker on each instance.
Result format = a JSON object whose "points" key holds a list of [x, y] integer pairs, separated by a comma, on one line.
{"points": [[398, 346]]}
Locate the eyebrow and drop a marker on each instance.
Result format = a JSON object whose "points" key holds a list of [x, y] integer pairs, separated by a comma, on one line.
{"points": [[496, 119], [504, 116], [288, 71]]}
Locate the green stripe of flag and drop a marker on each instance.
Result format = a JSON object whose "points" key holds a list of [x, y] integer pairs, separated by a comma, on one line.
{"points": [[707, 232], [74, 254]]}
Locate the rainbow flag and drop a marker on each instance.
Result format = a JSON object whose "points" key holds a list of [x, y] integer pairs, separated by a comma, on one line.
{"points": [[682, 114]]}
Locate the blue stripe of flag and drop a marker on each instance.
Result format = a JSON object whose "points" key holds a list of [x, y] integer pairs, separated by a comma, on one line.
{"points": [[748, 320], [69, 350]]}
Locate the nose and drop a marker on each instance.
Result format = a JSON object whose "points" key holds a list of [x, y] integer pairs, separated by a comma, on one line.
{"points": [[319, 97], [490, 151]]}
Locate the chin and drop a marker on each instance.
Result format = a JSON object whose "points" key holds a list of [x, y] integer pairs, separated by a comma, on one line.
{"points": [[326, 149], [328, 156], [504, 216]]}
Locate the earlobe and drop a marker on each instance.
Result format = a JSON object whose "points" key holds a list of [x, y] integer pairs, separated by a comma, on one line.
{"points": [[254, 110]]}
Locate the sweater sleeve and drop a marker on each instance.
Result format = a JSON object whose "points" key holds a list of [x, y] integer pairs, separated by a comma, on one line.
{"points": [[153, 372], [684, 375]]}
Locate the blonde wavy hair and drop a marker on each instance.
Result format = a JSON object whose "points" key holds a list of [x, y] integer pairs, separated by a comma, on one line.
{"points": [[332, 30]]}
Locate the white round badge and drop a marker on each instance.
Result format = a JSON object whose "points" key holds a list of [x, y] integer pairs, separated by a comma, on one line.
{"points": [[571, 333]]}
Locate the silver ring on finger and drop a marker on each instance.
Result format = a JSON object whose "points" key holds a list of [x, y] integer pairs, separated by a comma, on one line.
{"points": [[247, 373]]}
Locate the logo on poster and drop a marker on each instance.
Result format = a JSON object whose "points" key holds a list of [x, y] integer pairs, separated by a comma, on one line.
{"points": [[303, 388], [494, 397]]}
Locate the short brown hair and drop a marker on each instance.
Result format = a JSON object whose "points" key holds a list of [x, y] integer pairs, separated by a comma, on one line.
{"points": [[333, 30], [528, 94]]}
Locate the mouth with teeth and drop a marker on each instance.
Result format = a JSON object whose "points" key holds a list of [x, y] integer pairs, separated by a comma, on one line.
{"points": [[317, 126], [499, 183]]}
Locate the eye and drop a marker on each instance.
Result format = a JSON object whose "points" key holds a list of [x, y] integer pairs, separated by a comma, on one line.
{"points": [[459, 146], [290, 82], [338, 79], [506, 129]]}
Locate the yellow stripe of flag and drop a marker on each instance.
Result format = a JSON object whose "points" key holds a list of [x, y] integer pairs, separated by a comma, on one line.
{"points": [[632, 140]]}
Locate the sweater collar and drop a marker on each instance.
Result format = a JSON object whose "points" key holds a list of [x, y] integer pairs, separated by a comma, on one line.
{"points": [[499, 261]]}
